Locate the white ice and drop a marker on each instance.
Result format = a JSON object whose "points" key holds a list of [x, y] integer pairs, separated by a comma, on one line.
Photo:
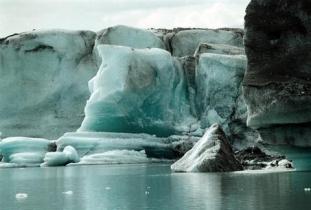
{"points": [[21, 196], [68, 155], [116, 157], [212, 153], [98, 145]]}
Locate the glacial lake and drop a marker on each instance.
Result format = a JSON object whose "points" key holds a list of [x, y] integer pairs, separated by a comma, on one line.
{"points": [[149, 186]]}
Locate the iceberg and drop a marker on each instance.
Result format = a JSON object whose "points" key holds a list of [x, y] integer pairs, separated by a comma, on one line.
{"points": [[117, 157], [21, 196], [22, 151], [138, 91], [212, 153]]}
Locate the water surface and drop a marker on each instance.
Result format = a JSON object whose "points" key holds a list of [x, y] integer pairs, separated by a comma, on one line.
{"points": [[150, 187]]}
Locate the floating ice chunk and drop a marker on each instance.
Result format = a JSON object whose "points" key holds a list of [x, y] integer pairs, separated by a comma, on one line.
{"points": [[212, 153], [21, 196], [24, 151], [283, 164], [68, 192], [55, 159], [107, 188], [138, 90], [26, 158], [116, 157], [69, 155]]}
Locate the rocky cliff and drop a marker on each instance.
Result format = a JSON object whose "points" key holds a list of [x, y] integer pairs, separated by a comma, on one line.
{"points": [[277, 84]]}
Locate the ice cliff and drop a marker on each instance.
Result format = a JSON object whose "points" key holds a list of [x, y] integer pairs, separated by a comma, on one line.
{"points": [[43, 84], [146, 81], [169, 84]]}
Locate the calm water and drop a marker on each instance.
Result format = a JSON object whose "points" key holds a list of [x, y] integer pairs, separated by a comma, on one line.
{"points": [[150, 187]]}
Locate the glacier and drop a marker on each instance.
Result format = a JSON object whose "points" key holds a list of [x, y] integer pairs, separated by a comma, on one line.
{"points": [[120, 95], [57, 65], [144, 90]]}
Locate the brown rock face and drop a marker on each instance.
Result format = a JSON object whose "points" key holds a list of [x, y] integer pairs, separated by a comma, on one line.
{"points": [[278, 45], [278, 41], [277, 84]]}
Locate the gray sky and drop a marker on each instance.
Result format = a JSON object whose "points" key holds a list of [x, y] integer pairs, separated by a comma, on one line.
{"points": [[24, 15]]}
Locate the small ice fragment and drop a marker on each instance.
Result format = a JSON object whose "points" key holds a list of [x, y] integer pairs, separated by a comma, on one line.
{"points": [[68, 192], [148, 187], [108, 188], [21, 196], [307, 189], [146, 192]]}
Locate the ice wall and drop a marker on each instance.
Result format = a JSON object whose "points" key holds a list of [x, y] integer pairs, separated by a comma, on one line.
{"points": [[44, 76], [43, 82], [218, 82]]}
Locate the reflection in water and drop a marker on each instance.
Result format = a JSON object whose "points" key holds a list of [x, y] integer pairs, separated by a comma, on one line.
{"points": [[151, 187], [188, 187]]}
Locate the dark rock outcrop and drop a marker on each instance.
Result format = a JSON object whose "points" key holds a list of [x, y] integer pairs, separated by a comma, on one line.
{"points": [[253, 158], [277, 84]]}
